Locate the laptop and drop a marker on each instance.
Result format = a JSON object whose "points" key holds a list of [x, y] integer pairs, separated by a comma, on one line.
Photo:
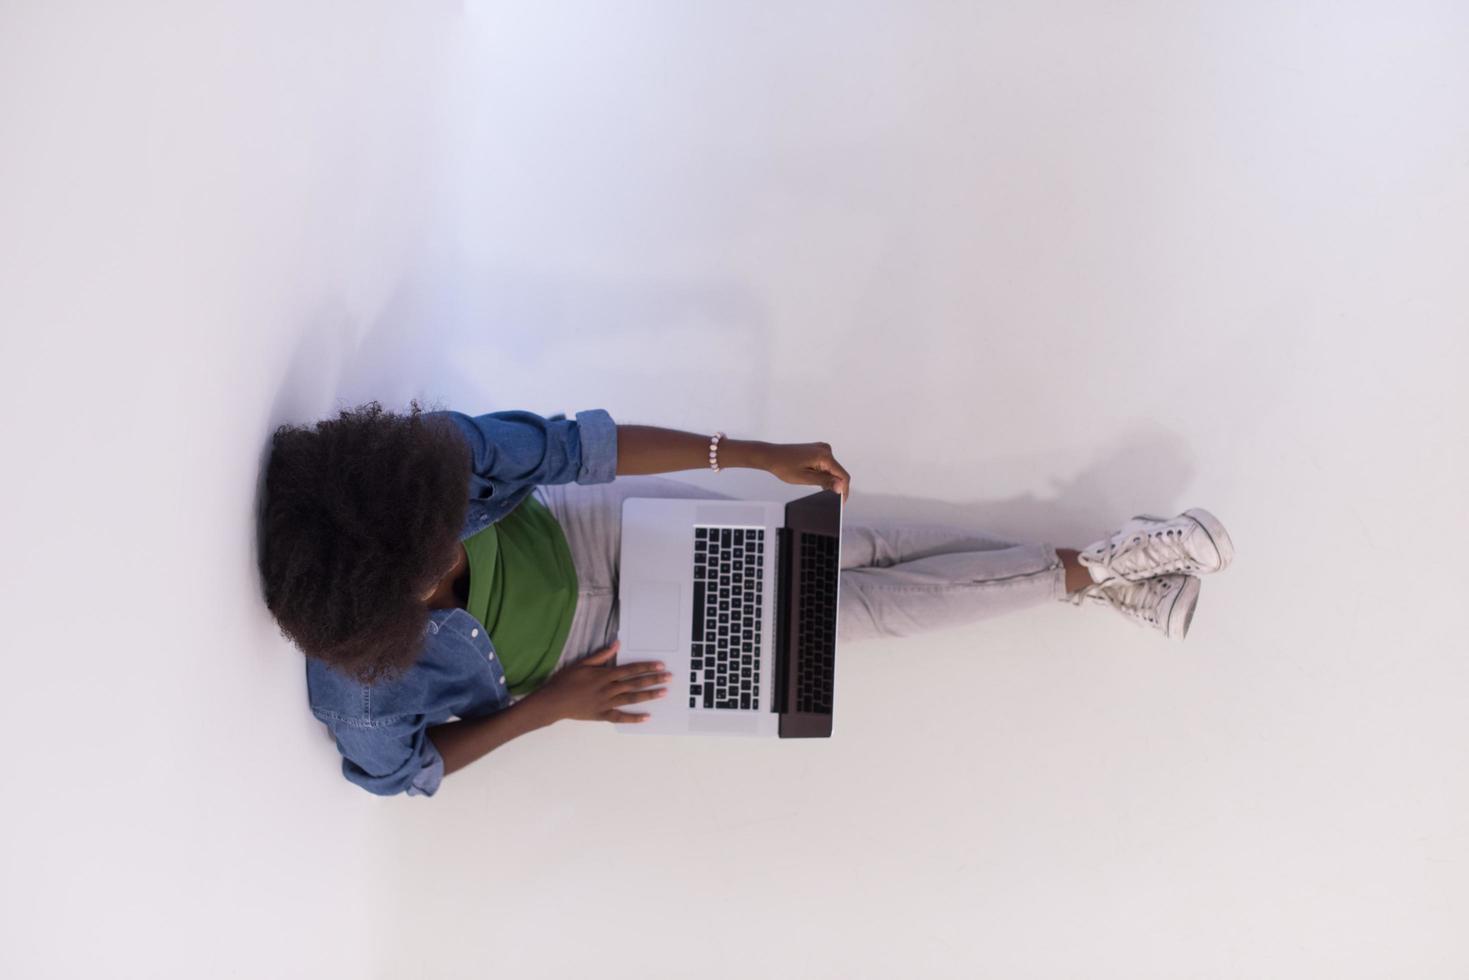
{"points": [[739, 599]]}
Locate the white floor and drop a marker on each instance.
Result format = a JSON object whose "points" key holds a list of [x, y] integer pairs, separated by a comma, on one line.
{"points": [[1033, 268]]}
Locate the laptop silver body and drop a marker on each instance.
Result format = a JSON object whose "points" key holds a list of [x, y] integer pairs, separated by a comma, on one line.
{"points": [[663, 577]]}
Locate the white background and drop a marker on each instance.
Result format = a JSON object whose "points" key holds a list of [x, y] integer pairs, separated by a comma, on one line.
{"points": [[1028, 267]]}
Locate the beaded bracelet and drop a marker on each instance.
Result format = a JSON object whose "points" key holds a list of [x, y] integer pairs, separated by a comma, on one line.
{"points": [[714, 451]]}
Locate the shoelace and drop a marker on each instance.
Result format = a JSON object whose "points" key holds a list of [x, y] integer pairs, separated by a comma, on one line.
{"points": [[1142, 542], [1139, 599]]}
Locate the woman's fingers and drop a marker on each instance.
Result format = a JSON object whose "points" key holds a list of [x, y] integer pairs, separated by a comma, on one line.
{"points": [[603, 655], [633, 697], [845, 485], [831, 479], [636, 683], [624, 671], [822, 469], [841, 480], [620, 717]]}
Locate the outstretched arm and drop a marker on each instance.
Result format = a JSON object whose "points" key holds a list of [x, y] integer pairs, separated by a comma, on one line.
{"points": [[461, 742], [591, 689], [643, 449]]}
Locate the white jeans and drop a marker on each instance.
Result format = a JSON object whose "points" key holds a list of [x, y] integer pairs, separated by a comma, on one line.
{"points": [[897, 579]]}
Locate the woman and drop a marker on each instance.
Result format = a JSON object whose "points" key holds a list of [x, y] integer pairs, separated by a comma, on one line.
{"points": [[439, 624]]}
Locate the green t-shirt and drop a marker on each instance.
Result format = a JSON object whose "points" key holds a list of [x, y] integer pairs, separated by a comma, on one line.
{"points": [[522, 587]]}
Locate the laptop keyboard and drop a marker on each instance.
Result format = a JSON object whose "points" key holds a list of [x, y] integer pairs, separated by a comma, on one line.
{"points": [[817, 671], [728, 592]]}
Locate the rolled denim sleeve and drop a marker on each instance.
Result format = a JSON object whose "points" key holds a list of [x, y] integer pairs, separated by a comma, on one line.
{"points": [[390, 756], [513, 449]]}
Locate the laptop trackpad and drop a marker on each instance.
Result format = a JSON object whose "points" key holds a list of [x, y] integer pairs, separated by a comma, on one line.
{"points": [[649, 616]]}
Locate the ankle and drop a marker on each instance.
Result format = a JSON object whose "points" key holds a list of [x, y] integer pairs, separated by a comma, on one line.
{"points": [[1078, 576]]}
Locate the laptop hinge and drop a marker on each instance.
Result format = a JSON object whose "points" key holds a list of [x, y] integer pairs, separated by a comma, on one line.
{"points": [[780, 701]]}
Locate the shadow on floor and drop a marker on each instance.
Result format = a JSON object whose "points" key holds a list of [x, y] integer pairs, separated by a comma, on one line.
{"points": [[1145, 471]]}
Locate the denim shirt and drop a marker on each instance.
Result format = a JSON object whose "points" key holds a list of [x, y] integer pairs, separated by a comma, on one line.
{"points": [[382, 729]]}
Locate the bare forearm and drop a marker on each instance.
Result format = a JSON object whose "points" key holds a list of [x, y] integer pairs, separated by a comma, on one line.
{"points": [[643, 449], [462, 742]]}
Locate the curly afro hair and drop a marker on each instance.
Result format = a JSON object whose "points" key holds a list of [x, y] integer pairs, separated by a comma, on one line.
{"points": [[360, 517]]}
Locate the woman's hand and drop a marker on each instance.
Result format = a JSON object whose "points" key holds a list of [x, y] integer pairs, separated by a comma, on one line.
{"points": [[808, 462], [590, 690]]}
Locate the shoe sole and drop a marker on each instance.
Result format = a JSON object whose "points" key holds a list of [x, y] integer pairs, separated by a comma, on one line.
{"points": [[1212, 527], [1181, 613]]}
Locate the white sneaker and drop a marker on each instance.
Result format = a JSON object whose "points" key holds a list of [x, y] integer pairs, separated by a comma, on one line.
{"points": [[1165, 603], [1193, 543]]}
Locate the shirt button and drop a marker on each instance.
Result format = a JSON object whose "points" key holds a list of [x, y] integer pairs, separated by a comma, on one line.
{"points": [[502, 678], [491, 655], [474, 632]]}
